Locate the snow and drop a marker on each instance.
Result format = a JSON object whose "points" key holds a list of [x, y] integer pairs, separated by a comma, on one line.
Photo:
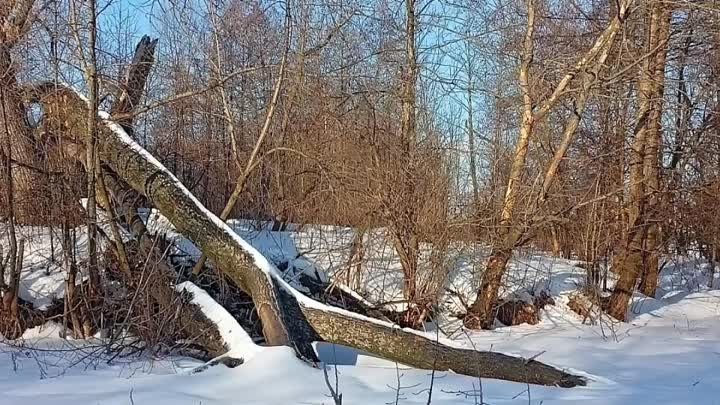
{"points": [[42, 278], [238, 342], [668, 354]]}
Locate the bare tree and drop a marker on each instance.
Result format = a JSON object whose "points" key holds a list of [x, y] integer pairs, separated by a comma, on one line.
{"points": [[252, 162], [481, 313], [637, 256]]}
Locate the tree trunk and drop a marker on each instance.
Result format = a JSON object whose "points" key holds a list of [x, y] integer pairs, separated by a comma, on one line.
{"points": [[633, 260], [71, 300], [17, 142], [482, 312], [408, 250], [12, 324], [14, 129], [404, 219], [131, 90], [556, 246], [626, 263], [415, 350], [91, 78], [290, 322], [651, 172]]}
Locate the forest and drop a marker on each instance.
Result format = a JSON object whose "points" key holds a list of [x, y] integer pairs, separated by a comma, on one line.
{"points": [[375, 201]]}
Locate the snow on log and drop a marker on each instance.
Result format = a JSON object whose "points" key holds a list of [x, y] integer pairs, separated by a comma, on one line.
{"points": [[237, 341], [288, 317]]}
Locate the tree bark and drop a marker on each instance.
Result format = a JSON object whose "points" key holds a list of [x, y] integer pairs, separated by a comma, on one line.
{"points": [[409, 348], [482, 312], [17, 141], [651, 163], [633, 260], [130, 93], [403, 219], [91, 78]]}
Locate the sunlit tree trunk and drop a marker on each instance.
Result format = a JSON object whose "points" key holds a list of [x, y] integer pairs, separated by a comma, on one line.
{"points": [[511, 229], [15, 135], [404, 221], [630, 263], [652, 159]]}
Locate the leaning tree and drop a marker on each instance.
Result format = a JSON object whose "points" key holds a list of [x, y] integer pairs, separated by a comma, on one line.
{"points": [[127, 173]]}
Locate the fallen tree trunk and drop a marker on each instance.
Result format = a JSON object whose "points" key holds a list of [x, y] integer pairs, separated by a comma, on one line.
{"points": [[288, 317], [409, 347]]}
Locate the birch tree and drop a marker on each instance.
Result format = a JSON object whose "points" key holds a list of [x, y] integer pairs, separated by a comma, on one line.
{"points": [[512, 228]]}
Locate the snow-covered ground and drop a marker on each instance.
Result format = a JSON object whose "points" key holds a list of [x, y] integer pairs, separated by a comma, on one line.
{"points": [[669, 353]]}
